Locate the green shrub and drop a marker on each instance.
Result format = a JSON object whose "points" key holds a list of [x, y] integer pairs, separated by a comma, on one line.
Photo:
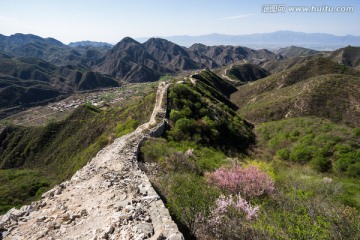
{"points": [[304, 207], [354, 170], [294, 135], [342, 149], [182, 156], [198, 116], [283, 154], [302, 154], [356, 132], [154, 150], [348, 162], [175, 115], [208, 159], [320, 164]]}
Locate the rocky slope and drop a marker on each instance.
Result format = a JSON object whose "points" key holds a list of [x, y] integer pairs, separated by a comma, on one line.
{"points": [[171, 55], [109, 198], [135, 62], [130, 61]]}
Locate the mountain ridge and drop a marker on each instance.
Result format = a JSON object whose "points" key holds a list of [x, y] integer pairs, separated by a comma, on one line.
{"points": [[88, 43], [133, 61], [273, 40]]}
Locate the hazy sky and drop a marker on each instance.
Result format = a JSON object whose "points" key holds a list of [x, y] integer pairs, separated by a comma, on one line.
{"points": [[111, 20]]}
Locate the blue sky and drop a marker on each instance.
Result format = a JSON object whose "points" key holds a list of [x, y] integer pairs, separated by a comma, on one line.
{"points": [[111, 20]]}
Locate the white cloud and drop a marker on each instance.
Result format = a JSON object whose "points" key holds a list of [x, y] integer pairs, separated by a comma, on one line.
{"points": [[237, 17]]}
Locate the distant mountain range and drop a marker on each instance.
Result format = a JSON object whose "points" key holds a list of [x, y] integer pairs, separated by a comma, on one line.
{"points": [[49, 49], [35, 69], [136, 62], [274, 40], [91, 44]]}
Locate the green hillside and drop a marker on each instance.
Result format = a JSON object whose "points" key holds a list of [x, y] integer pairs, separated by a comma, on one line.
{"points": [[312, 162], [317, 88]]}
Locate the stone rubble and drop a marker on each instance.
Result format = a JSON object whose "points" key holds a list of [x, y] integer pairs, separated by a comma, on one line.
{"points": [[109, 198]]}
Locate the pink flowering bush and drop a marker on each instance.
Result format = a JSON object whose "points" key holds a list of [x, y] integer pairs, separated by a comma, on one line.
{"points": [[249, 181], [224, 203], [229, 209]]}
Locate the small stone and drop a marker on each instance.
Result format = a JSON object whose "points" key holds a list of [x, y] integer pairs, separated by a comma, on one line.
{"points": [[109, 230], [50, 225], [62, 229], [145, 228], [65, 217], [96, 233], [129, 207], [26, 208], [14, 214], [23, 219], [74, 216], [43, 233], [83, 213], [41, 219], [57, 225], [147, 219], [63, 207], [58, 191]]}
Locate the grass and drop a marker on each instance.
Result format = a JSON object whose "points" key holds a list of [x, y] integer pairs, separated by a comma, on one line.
{"points": [[306, 205], [17, 185], [299, 141], [182, 156]]}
